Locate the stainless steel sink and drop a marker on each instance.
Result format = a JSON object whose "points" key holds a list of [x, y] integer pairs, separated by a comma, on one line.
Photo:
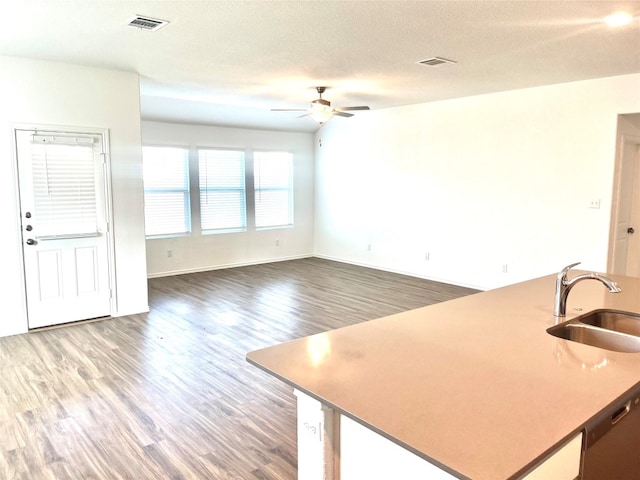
{"points": [[577, 331], [613, 320]]}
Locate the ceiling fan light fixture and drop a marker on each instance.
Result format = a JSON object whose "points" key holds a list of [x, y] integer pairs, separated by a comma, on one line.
{"points": [[320, 114]]}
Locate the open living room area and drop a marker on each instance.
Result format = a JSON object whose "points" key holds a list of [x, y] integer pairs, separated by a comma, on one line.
{"points": [[323, 240]]}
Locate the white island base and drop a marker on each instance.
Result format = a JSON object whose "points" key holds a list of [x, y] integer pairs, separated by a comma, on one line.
{"points": [[331, 446]]}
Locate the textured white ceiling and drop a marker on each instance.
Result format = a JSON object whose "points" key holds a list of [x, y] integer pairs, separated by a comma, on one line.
{"points": [[230, 62]]}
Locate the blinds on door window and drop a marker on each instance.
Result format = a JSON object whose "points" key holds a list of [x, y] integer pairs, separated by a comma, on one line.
{"points": [[273, 180], [64, 185], [222, 191]]}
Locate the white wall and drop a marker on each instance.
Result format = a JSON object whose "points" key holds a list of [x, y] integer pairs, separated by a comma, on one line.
{"points": [[39, 92], [477, 183], [198, 252]]}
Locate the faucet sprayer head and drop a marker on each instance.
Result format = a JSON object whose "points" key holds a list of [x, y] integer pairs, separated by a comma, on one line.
{"points": [[566, 269]]}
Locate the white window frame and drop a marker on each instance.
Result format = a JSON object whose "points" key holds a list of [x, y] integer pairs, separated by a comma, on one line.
{"points": [[220, 188], [281, 184], [184, 190]]}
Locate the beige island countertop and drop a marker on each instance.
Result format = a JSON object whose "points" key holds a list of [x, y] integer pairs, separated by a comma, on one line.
{"points": [[476, 384]]}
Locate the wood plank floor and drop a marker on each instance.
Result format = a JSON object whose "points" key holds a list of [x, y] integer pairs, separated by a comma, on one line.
{"points": [[168, 394]]}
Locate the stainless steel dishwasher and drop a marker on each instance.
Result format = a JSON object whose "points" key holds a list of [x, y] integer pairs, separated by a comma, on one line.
{"points": [[612, 442]]}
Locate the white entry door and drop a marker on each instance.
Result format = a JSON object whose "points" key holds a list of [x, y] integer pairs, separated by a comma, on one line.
{"points": [[626, 233], [633, 229], [63, 201]]}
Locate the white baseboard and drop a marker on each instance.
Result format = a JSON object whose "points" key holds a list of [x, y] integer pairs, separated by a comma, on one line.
{"points": [[325, 257], [171, 273], [401, 272]]}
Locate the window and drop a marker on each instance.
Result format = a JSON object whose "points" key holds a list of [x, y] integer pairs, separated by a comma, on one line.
{"points": [[222, 191], [166, 191], [273, 181], [222, 176]]}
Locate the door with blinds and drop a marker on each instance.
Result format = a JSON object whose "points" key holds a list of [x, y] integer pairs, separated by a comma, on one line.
{"points": [[63, 202]]}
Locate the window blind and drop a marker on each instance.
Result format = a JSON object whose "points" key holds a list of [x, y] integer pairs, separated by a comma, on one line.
{"points": [[273, 181], [222, 190], [166, 191], [64, 185]]}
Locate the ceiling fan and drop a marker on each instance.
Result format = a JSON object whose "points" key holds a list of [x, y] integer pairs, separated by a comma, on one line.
{"points": [[320, 109]]}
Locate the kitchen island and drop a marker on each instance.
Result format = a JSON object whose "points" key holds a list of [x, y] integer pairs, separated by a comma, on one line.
{"points": [[473, 388]]}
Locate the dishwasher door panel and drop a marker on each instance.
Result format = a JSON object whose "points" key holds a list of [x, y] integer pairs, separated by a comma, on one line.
{"points": [[612, 443]]}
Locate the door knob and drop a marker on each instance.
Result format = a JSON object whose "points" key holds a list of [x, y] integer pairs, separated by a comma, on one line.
{"points": [[28, 228], [630, 230], [31, 241]]}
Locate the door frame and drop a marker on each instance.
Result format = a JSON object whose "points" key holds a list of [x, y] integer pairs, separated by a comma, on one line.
{"points": [[623, 138], [108, 193]]}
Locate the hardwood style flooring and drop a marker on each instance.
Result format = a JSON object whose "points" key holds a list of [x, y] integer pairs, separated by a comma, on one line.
{"points": [[169, 394]]}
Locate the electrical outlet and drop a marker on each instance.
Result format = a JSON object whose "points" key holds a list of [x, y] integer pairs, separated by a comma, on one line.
{"points": [[277, 243], [594, 203], [369, 248], [505, 268], [169, 253], [426, 256]]}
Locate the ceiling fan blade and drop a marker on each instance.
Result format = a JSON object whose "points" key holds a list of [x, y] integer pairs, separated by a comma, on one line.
{"points": [[344, 109], [342, 114], [288, 109]]}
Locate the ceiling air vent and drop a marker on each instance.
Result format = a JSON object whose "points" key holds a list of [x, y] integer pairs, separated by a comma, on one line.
{"points": [[435, 61], [147, 23]]}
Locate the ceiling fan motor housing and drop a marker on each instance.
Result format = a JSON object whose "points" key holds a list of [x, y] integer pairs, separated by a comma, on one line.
{"points": [[321, 101]]}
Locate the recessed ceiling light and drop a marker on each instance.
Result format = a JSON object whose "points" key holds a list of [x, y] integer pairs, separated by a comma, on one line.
{"points": [[618, 19]]}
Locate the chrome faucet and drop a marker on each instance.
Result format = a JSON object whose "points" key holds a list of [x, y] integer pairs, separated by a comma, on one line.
{"points": [[564, 286]]}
